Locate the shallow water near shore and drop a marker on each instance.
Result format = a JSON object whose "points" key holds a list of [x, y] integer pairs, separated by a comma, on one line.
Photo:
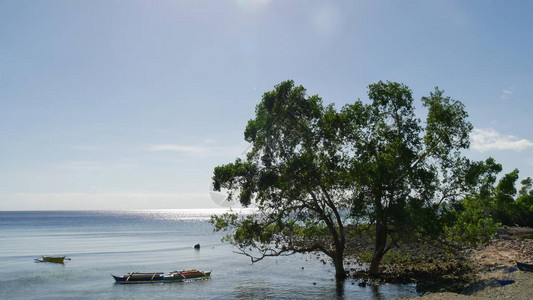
{"points": [[101, 243]]}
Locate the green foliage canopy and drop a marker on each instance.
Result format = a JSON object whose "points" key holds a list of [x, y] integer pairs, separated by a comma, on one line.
{"points": [[313, 170]]}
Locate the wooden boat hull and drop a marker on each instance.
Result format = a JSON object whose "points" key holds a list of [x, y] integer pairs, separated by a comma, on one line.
{"points": [[159, 277], [52, 259]]}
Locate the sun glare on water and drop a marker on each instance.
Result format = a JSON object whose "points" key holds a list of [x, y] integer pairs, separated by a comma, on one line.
{"points": [[190, 214]]}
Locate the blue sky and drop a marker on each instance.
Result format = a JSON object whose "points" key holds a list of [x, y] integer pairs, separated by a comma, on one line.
{"points": [[130, 104]]}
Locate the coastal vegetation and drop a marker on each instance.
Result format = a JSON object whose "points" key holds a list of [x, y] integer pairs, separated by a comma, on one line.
{"points": [[321, 177]]}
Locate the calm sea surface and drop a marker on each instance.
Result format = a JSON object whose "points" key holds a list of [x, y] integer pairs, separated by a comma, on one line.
{"points": [[101, 243]]}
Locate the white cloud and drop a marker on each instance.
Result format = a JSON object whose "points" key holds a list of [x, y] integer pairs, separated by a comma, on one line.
{"points": [[180, 148], [107, 200], [489, 139], [506, 93], [78, 165], [85, 148], [90, 165], [207, 149]]}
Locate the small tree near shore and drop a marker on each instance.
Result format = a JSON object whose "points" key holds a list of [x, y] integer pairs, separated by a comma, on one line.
{"points": [[492, 199], [313, 170]]}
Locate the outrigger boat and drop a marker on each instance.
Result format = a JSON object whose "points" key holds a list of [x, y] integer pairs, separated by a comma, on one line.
{"points": [[524, 266], [52, 259], [160, 277]]}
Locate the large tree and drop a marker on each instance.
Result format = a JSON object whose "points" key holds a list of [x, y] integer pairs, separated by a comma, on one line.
{"points": [[313, 170]]}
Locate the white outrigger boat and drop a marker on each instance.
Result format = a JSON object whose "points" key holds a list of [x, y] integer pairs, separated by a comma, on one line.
{"points": [[160, 277]]}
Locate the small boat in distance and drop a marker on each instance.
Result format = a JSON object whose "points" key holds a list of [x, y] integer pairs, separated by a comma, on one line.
{"points": [[524, 266], [52, 259], [160, 277]]}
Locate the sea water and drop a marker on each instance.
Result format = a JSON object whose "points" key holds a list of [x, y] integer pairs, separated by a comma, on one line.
{"points": [[101, 243]]}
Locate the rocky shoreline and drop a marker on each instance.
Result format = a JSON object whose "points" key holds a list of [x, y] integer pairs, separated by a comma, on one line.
{"points": [[467, 274], [494, 266]]}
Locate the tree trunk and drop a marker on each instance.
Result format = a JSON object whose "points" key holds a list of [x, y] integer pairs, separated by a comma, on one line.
{"points": [[338, 261], [379, 250], [376, 261]]}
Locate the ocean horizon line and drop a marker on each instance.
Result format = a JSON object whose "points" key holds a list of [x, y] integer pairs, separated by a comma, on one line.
{"points": [[134, 209]]}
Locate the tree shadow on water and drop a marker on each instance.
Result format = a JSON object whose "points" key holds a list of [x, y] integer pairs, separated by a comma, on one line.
{"points": [[339, 289], [376, 295]]}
